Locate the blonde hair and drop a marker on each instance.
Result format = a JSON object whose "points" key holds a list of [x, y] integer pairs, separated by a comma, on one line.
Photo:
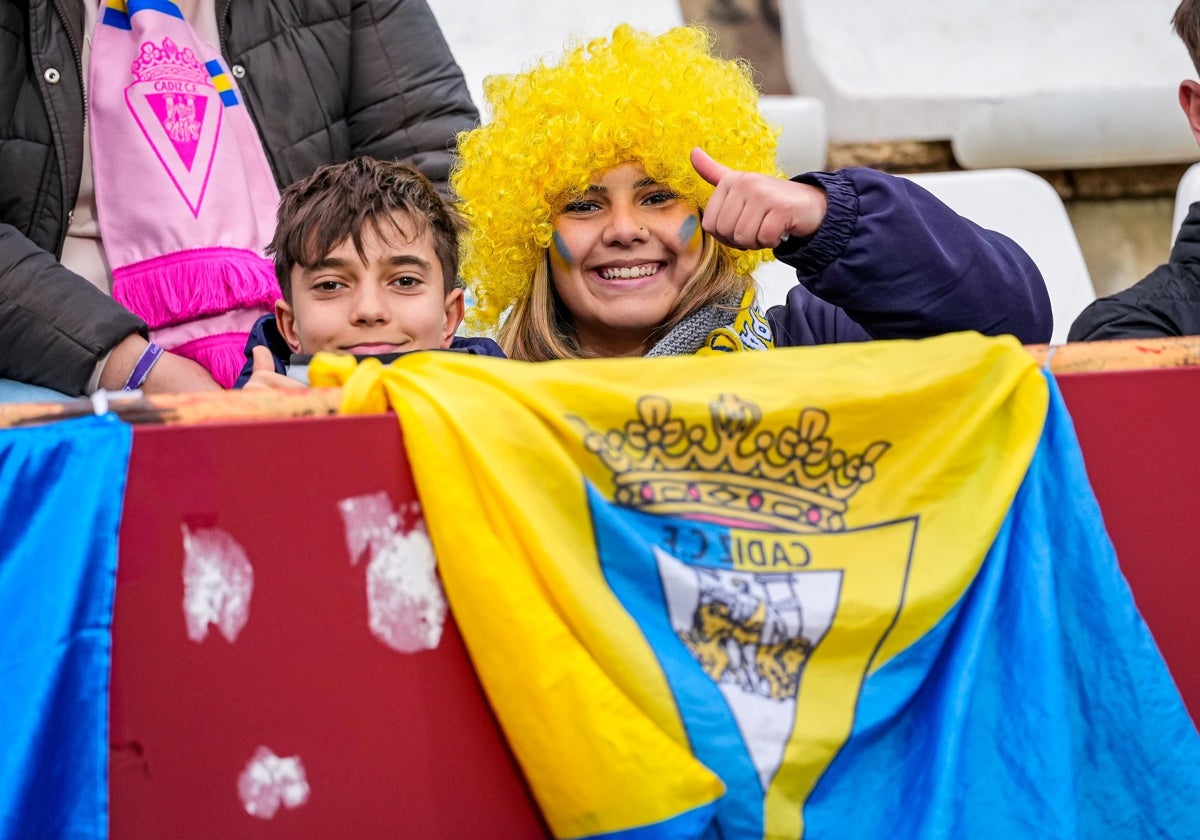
{"points": [[634, 97]]}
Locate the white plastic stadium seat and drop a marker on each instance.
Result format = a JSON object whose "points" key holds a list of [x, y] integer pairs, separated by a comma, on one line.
{"points": [[1022, 83], [509, 36], [1068, 130], [803, 143]]}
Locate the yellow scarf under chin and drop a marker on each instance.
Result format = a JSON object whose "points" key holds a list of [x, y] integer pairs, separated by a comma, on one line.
{"points": [[749, 330]]}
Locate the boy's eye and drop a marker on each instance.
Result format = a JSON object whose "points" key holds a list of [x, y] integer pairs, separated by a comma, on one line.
{"points": [[327, 286], [406, 281]]}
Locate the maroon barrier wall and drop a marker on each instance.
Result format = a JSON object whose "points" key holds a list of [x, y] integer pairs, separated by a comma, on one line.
{"points": [[392, 744], [1138, 433], [404, 745]]}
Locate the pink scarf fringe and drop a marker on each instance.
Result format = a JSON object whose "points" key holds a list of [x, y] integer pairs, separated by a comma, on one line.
{"points": [[186, 285]]}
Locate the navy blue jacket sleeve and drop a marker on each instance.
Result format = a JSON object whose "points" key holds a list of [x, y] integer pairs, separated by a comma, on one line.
{"points": [[264, 332], [890, 260], [477, 346]]}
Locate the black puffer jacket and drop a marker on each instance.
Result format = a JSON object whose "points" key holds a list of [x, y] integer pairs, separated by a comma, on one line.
{"points": [[1164, 304], [325, 80]]}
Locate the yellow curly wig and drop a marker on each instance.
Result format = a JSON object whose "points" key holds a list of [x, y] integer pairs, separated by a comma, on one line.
{"points": [[633, 97]]}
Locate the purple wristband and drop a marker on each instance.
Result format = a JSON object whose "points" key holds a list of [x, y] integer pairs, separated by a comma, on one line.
{"points": [[142, 369]]}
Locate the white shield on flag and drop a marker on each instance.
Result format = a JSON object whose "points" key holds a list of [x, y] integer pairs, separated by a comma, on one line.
{"points": [[752, 634]]}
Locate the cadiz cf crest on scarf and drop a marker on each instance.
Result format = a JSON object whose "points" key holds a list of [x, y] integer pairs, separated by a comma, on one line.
{"points": [[730, 549], [174, 102], [177, 91]]}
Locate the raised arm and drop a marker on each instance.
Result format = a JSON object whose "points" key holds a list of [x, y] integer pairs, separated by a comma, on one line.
{"points": [[904, 265], [878, 256]]}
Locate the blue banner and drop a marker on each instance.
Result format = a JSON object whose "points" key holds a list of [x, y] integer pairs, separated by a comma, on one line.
{"points": [[61, 488]]}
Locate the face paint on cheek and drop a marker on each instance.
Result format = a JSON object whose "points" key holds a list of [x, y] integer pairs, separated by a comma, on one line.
{"points": [[560, 255], [689, 231]]}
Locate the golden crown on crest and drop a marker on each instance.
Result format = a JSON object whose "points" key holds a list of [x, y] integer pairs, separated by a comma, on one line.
{"points": [[730, 470]]}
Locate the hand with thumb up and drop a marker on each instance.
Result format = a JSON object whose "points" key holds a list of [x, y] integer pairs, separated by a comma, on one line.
{"points": [[749, 210]]}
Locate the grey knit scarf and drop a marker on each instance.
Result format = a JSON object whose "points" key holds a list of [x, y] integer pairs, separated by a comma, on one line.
{"points": [[690, 334]]}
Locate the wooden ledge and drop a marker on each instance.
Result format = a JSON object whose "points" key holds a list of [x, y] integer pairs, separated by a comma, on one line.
{"points": [[196, 408], [235, 406], [1125, 354]]}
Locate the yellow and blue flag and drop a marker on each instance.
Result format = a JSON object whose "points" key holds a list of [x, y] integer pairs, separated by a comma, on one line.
{"points": [[846, 591], [61, 488]]}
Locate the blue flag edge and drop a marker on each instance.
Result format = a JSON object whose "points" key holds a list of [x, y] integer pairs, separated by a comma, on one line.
{"points": [[62, 487], [1101, 743]]}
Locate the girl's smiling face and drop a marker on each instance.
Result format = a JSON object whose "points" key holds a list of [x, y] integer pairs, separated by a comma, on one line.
{"points": [[622, 254]]}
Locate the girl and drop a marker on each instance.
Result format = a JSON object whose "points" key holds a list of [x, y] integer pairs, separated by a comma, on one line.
{"points": [[619, 201]]}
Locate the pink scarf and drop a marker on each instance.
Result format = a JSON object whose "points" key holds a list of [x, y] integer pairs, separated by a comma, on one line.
{"points": [[185, 198]]}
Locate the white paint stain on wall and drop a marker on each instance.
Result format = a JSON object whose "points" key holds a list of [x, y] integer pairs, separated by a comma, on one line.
{"points": [[217, 583], [406, 609], [369, 522], [405, 603], [269, 781]]}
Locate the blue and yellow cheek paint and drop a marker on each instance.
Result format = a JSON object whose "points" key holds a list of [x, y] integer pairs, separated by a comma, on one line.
{"points": [[560, 255], [690, 233]]}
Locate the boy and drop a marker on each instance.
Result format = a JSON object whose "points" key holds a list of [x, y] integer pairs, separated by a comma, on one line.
{"points": [[366, 254], [1166, 302]]}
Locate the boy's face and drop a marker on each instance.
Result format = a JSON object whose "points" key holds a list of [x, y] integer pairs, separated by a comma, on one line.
{"points": [[394, 301]]}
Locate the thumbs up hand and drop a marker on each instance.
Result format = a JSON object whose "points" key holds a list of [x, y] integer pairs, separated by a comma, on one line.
{"points": [[750, 210], [264, 377]]}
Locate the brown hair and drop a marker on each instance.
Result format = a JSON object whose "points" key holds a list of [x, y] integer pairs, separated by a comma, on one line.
{"points": [[538, 327], [337, 201], [1187, 26]]}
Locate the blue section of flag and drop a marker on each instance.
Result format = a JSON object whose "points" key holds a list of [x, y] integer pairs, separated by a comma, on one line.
{"points": [[1039, 707], [229, 98], [696, 824], [165, 7], [214, 68], [61, 488], [116, 18]]}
